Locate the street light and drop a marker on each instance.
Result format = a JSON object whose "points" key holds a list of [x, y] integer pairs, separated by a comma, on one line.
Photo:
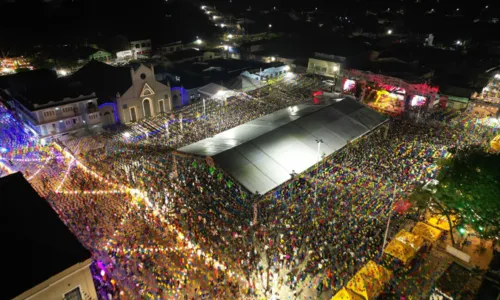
{"points": [[198, 42], [389, 31], [459, 42], [270, 25]]}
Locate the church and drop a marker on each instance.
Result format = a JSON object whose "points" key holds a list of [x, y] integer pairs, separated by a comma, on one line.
{"points": [[126, 94]]}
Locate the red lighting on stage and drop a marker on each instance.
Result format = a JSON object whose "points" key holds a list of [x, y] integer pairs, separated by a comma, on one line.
{"points": [[317, 93]]}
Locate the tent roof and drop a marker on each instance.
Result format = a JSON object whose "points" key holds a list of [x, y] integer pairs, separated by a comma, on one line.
{"points": [[441, 222], [262, 153], [369, 281], [412, 240], [211, 89], [244, 83], [401, 251], [426, 231], [36, 244], [345, 294]]}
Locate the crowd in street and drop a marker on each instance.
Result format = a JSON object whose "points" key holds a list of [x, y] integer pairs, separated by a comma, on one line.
{"points": [[168, 225]]}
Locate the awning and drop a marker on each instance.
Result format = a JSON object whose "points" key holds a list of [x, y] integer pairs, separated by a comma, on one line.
{"points": [[345, 294], [412, 240], [369, 281], [401, 251], [441, 222], [426, 231]]}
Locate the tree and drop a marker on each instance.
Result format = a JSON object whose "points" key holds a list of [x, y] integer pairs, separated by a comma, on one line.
{"points": [[470, 188]]}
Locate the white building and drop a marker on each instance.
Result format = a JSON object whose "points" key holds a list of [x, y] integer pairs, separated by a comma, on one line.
{"points": [[60, 110], [126, 94], [326, 65], [141, 48], [171, 47]]}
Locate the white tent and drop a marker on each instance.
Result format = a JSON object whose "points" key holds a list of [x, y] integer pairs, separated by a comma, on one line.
{"points": [[244, 83], [216, 91]]}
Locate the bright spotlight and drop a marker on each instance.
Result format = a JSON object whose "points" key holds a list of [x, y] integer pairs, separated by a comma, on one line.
{"points": [[287, 68], [226, 47], [198, 42], [126, 135], [222, 25], [389, 31], [270, 25], [229, 36], [203, 7], [335, 68]]}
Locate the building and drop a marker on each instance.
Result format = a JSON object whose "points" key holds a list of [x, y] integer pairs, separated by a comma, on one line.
{"points": [[42, 258], [60, 108], [171, 47], [326, 65], [126, 94], [85, 54], [141, 48], [189, 55]]}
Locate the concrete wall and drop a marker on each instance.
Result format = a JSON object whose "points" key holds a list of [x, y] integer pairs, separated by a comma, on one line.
{"points": [[55, 287], [323, 67]]}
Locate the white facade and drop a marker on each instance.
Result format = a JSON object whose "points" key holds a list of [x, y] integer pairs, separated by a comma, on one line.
{"points": [[146, 98], [171, 47], [141, 48], [74, 281], [69, 116]]}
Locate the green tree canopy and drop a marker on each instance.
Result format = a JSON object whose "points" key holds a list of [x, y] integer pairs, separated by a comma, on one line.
{"points": [[470, 187]]}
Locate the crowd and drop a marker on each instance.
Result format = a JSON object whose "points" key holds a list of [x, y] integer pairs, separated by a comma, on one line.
{"points": [[166, 224]]}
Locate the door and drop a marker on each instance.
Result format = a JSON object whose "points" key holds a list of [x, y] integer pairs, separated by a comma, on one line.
{"points": [[147, 108], [133, 115]]}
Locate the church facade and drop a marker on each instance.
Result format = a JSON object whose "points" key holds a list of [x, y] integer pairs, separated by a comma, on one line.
{"points": [[145, 98]]}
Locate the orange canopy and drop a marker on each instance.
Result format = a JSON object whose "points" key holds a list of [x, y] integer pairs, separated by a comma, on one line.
{"points": [[426, 231], [369, 281]]}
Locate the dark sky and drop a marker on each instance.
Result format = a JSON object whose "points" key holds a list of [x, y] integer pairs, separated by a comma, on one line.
{"points": [[25, 23]]}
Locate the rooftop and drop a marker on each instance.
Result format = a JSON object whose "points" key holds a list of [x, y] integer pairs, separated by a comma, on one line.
{"points": [[36, 243], [52, 92], [262, 153], [97, 75]]}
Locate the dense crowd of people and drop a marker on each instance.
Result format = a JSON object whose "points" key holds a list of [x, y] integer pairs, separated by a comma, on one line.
{"points": [[171, 225]]}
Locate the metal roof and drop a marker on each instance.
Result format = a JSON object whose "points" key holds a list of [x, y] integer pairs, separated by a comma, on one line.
{"points": [[262, 153]]}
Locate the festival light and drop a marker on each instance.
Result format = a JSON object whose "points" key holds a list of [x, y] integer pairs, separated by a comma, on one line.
{"points": [[229, 36], [198, 42]]}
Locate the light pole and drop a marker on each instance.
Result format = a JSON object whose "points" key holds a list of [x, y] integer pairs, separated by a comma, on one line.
{"points": [[319, 142]]}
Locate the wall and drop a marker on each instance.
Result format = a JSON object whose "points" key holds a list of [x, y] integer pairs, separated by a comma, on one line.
{"points": [[323, 67], [133, 98], [54, 288]]}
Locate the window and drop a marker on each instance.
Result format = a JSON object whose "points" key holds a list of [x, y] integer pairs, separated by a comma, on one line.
{"points": [[74, 121], [74, 294], [137, 46], [143, 45], [67, 122], [67, 109], [143, 76], [49, 113]]}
